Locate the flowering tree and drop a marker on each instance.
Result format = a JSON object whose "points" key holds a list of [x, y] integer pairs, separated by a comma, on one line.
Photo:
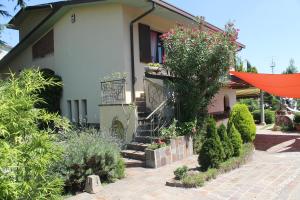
{"points": [[198, 59]]}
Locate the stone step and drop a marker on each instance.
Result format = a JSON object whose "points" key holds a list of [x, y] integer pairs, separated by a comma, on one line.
{"points": [[133, 154], [145, 139], [140, 103], [130, 163], [143, 114], [144, 133], [137, 146], [140, 99]]}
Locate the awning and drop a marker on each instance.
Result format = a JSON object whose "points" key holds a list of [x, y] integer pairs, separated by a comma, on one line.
{"points": [[283, 85]]}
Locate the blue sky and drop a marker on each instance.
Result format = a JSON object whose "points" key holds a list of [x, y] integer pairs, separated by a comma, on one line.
{"points": [[268, 28]]}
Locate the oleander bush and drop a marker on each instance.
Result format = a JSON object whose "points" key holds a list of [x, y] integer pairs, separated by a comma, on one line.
{"points": [[28, 153], [212, 152], [88, 152], [226, 143], [243, 121], [235, 139]]}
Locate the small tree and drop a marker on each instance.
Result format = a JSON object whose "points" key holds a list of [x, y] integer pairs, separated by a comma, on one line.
{"points": [[27, 153], [199, 60], [212, 152], [226, 143], [235, 139]]}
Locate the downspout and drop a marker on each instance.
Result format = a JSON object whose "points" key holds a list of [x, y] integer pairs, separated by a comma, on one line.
{"points": [[133, 79]]}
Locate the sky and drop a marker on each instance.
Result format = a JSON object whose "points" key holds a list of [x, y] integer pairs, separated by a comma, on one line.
{"points": [[269, 28]]}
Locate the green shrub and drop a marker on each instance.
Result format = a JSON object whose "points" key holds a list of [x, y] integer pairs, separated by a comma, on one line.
{"points": [[27, 153], [181, 172], [227, 146], [155, 146], [51, 94], [196, 180], [89, 152], [269, 116], [243, 122], [297, 118], [252, 104], [235, 138], [212, 152], [170, 132], [197, 143]]}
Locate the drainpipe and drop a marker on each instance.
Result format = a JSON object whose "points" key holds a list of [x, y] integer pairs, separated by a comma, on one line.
{"points": [[133, 79]]}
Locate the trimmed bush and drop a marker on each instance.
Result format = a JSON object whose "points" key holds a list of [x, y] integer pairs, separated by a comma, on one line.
{"points": [[243, 121], [269, 116], [212, 152], [181, 172], [89, 152], [227, 146], [235, 139]]}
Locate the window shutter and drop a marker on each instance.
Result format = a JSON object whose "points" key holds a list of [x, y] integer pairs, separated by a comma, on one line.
{"points": [[145, 43]]}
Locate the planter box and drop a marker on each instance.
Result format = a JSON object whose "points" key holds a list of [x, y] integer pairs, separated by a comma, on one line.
{"points": [[179, 148]]}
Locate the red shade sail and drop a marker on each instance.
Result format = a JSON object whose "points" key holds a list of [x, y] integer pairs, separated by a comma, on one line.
{"points": [[283, 85]]}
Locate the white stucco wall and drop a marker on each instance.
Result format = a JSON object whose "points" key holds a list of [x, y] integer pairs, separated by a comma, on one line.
{"points": [[217, 104], [93, 47], [84, 53]]}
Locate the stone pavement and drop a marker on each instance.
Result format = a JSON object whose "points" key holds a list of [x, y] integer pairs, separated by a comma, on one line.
{"points": [[273, 173]]}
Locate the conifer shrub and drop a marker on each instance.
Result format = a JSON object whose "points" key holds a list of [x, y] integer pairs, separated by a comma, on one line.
{"points": [[243, 121], [227, 146], [212, 152], [235, 139]]}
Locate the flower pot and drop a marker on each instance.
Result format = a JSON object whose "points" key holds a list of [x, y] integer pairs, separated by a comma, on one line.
{"points": [[150, 69]]}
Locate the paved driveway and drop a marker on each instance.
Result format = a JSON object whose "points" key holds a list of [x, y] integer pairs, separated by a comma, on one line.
{"points": [[274, 173]]}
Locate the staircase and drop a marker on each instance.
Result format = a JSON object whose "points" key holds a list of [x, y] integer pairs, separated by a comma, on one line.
{"points": [[135, 151]]}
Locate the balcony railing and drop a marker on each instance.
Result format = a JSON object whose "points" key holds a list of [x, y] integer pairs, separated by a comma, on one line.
{"points": [[113, 91]]}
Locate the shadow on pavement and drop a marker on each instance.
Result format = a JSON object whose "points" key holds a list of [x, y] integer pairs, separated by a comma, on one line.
{"points": [[277, 143]]}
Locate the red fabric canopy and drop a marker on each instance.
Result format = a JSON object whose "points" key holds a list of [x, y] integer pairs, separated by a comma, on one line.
{"points": [[283, 85]]}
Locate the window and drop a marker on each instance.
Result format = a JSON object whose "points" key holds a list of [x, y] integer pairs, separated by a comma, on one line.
{"points": [[69, 102], [151, 46], [84, 110], [44, 46], [157, 49]]}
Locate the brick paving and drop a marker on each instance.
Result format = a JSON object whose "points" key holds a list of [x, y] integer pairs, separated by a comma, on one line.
{"points": [[273, 173]]}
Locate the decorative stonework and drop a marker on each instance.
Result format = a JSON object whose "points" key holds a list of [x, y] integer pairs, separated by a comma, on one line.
{"points": [[179, 148]]}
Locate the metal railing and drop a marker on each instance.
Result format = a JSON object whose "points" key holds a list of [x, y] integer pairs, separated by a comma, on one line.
{"points": [[161, 117], [113, 91]]}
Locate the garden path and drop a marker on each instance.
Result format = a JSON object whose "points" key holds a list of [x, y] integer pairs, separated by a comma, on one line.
{"points": [[274, 173]]}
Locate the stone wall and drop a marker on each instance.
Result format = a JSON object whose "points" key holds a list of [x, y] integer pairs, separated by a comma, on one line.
{"points": [[179, 148]]}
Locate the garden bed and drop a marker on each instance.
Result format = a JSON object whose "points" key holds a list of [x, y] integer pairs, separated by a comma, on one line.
{"points": [[196, 178], [179, 148]]}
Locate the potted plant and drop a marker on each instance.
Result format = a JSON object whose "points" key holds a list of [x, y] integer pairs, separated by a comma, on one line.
{"points": [[153, 67], [297, 121]]}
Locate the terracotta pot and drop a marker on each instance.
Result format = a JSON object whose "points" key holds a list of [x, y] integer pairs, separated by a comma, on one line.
{"points": [[297, 126]]}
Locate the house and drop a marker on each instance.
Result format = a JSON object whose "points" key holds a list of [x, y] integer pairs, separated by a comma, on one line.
{"points": [[4, 49], [84, 41]]}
